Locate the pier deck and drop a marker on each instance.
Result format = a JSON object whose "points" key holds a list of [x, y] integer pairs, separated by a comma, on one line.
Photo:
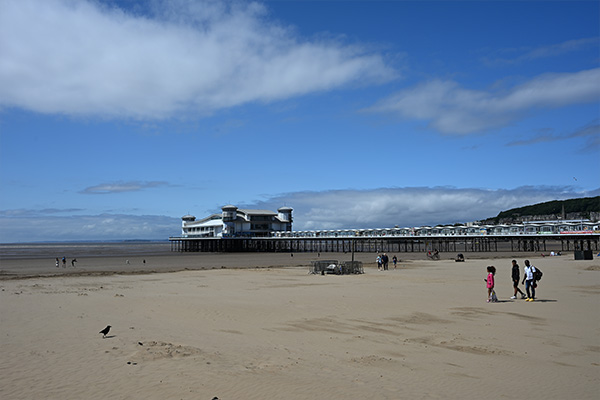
{"points": [[410, 244]]}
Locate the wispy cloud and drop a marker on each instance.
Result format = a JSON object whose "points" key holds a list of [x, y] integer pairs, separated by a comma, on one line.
{"points": [[590, 131], [120, 187], [22, 212], [83, 58], [452, 109], [553, 50]]}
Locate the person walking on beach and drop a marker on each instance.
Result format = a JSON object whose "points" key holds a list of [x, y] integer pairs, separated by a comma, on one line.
{"points": [[64, 261], [529, 281], [379, 262], [516, 276], [73, 261], [57, 262], [395, 261], [490, 283], [385, 260]]}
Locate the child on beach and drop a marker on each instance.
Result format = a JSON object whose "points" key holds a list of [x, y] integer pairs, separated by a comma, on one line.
{"points": [[490, 284]]}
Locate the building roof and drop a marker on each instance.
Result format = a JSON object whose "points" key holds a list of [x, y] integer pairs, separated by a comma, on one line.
{"points": [[213, 222], [257, 212], [212, 217]]}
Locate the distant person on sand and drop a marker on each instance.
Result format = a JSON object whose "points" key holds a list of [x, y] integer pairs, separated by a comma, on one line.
{"points": [[529, 281], [379, 262], [395, 261], [57, 262], [490, 282], [64, 261], [516, 276], [73, 261], [434, 255], [385, 260]]}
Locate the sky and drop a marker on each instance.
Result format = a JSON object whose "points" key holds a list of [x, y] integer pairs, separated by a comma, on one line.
{"points": [[119, 117]]}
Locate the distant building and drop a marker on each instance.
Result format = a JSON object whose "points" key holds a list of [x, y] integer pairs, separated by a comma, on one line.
{"points": [[236, 222]]}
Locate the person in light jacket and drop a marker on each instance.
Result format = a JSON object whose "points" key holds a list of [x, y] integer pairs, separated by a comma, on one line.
{"points": [[529, 281]]}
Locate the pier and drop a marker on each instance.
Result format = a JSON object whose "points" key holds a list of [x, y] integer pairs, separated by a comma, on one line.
{"points": [[248, 230], [391, 244]]}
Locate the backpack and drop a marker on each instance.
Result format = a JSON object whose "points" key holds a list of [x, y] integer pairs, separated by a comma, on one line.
{"points": [[537, 274]]}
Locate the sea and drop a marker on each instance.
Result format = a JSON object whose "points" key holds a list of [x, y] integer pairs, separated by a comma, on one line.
{"points": [[13, 251]]}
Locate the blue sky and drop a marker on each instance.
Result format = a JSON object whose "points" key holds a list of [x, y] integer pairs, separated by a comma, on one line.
{"points": [[119, 117]]}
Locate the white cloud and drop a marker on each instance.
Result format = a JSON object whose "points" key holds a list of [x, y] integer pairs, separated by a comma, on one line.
{"points": [[453, 109], [77, 57]]}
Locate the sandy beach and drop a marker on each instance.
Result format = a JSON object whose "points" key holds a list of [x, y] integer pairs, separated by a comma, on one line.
{"points": [[258, 326]]}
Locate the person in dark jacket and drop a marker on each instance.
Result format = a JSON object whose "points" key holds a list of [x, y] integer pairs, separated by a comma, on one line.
{"points": [[516, 276], [385, 260]]}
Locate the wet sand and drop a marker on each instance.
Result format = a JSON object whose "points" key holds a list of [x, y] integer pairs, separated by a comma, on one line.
{"points": [[258, 326], [21, 261]]}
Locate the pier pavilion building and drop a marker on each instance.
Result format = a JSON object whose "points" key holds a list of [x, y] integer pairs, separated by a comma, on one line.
{"points": [[237, 222]]}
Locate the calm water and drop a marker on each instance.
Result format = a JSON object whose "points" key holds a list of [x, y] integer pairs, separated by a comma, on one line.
{"points": [[82, 249]]}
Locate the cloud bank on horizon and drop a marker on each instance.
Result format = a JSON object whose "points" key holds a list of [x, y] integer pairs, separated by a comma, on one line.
{"points": [[336, 209], [411, 207]]}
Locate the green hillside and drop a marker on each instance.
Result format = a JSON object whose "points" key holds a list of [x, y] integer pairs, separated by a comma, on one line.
{"points": [[583, 207]]}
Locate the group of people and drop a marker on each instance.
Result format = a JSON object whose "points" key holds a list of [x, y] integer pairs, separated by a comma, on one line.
{"points": [[64, 262], [434, 255], [529, 280], [383, 261]]}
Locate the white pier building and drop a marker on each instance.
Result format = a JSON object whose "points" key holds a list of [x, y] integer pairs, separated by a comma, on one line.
{"points": [[237, 222]]}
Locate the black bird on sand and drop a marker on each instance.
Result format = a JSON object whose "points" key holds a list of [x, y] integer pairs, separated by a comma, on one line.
{"points": [[104, 331]]}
